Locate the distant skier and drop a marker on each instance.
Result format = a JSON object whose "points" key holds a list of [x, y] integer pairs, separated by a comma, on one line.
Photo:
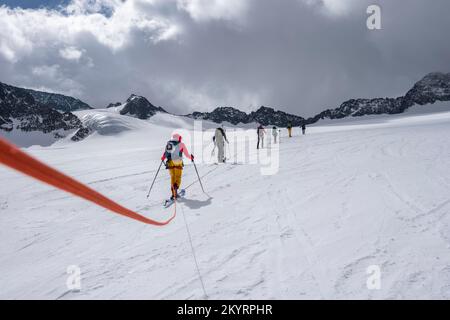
{"points": [[275, 134], [219, 139], [174, 155], [303, 129], [260, 132], [289, 127]]}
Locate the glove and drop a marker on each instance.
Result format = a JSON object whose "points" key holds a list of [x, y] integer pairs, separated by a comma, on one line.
{"points": [[192, 157], [163, 158]]}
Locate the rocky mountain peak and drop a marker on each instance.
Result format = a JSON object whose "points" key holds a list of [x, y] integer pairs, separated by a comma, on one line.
{"points": [[431, 88], [58, 101], [112, 105], [19, 110], [140, 107], [270, 116], [264, 115]]}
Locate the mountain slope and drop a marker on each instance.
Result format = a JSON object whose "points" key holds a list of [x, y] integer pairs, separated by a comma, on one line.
{"points": [[430, 89], [222, 114], [55, 101], [269, 116], [264, 115], [58, 101], [139, 107], [361, 107], [19, 112]]}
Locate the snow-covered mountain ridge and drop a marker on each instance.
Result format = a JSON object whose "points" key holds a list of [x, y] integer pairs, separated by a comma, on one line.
{"points": [[21, 113], [433, 88], [58, 102], [136, 106]]}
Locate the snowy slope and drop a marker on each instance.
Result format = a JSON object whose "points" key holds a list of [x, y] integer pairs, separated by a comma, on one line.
{"points": [[30, 138], [347, 196]]}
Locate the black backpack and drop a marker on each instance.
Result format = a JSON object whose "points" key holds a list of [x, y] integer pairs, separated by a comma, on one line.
{"points": [[171, 153]]}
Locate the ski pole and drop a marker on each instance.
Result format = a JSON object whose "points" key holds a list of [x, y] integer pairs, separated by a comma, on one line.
{"points": [[157, 172], [199, 180]]}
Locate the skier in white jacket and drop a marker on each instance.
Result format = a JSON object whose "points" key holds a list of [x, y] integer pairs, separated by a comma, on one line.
{"points": [[219, 140], [260, 132], [275, 134]]}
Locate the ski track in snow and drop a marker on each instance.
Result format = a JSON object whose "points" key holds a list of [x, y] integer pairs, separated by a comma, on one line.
{"points": [[343, 200]]}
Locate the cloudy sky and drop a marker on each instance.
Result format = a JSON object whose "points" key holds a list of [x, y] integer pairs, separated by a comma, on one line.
{"points": [[300, 56]]}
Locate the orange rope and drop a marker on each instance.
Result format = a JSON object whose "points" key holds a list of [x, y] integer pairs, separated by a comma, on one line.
{"points": [[13, 157]]}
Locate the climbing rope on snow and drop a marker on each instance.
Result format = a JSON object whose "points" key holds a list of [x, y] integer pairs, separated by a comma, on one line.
{"points": [[13, 157], [193, 252]]}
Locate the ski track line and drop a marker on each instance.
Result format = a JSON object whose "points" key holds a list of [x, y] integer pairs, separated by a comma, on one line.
{"points": [[176, 289], [419, 213], [397, 194], [121, 177], [348, 269], [431, 221], [162, 177], [302, 239], [285, 232], [227, 262]]}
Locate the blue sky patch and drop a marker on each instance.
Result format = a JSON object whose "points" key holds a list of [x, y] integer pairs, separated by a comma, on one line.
{"points": [[33, 3]]}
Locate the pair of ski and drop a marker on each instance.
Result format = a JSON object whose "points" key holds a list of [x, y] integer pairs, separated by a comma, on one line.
{"points": [[167, 203]]}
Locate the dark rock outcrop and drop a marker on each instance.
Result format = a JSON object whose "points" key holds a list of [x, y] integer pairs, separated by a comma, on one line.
{"points": [[222, 114], [81, 134], [139, 107], [269, 116], [264, 116], [361, 107], [432, 88], [112, 105], [20, 111], [58, 101]]}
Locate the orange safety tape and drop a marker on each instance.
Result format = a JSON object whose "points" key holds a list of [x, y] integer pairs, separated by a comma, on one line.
{"points": [[13, 157]]}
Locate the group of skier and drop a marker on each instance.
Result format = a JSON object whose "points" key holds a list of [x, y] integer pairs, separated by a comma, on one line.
{"points": [[175, 149], [289, 128], [261, 132]]}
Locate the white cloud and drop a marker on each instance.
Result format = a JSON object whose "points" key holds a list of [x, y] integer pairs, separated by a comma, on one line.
{"points": [[51, 76], [71, 53], [205, 10], [78, 7], [22, 30], [7, 52], [333, 7], [50, 72], [201, 98], [338, 7]]}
